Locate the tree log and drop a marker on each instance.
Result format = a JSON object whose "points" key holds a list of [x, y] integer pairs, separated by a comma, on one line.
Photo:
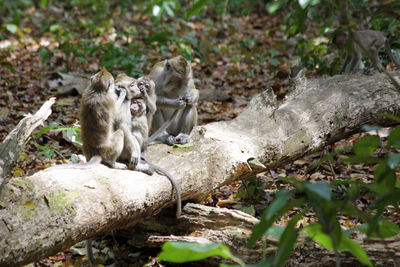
{"points": [[15, 141], [52, 210]]}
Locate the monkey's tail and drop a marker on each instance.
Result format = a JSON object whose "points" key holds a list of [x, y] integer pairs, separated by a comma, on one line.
{"points": [[93, 160], [389, 51], [165, 173], [163, 127]]}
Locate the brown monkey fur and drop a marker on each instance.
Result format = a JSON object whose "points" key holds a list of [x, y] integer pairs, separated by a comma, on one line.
{"points": [[372, 41], [175, 91]]}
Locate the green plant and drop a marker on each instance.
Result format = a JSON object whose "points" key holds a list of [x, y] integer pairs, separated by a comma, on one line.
{"points": [[72, 134]]}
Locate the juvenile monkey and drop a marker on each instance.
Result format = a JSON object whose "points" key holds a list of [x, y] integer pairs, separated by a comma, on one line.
{"points": [[147, 87], [175, 92], [137, 123], [141, 132], [372, 41]]}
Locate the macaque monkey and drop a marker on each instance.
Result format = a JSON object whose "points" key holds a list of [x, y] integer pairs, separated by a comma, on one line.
{"points": [[98, 109], [139, 131], [177, 94], [147, 87], [372, 41]]}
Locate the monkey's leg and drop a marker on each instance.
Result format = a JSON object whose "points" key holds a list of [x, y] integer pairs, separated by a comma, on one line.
{"points": [[114, 150], [144, 167], [186, 124], [346, 62]]}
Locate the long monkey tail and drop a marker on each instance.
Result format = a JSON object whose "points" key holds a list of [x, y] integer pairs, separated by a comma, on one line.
{"points": [[165, 173], [389, 52]]}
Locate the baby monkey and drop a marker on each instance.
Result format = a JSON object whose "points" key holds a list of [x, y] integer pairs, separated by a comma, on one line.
{"points": [[372, 41]]}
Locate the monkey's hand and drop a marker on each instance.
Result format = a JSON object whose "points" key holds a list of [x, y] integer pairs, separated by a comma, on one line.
{"points": [[180, 103], [133, 162], [190, 98]]}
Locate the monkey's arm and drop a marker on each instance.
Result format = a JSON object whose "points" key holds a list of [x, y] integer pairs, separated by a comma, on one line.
{"points": [[346, 62], [121, 98], [192, 96], [165, 102], [132, 146]]}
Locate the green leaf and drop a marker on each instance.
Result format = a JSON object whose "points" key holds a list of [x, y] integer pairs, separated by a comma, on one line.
{"points": [[276, 231], [46, 129], [180, 252], [196, 8], [392, 117], [161, 37], [74, 158], [272, 8], [54, 27], [394, 138], [322, 189], [279, 206], [385, 178], [12, 28], [43, 3], [386, 229], [286, 243], [366, 145], [394, 160], [354, 248], [315, 232]]}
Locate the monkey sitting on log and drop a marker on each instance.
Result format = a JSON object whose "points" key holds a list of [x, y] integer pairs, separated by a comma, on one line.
{"points": [[137, 122], [177, 99], [372, 41]]}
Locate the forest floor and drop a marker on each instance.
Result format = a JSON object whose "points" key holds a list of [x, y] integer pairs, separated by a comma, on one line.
{"points": [[227, 79]]}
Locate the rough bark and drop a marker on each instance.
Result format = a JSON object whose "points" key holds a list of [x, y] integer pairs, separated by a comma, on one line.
{"points": [[233, 228], [15, 141], [51, 210]]}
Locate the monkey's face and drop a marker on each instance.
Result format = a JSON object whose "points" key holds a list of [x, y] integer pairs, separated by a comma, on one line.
{"points": [[138, 106], [102, 81], [178, 67], [124, 82], [340, 40], [146, 84]]}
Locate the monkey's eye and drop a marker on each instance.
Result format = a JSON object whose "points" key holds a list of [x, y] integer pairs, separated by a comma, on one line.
{"points": [[132, 84]]}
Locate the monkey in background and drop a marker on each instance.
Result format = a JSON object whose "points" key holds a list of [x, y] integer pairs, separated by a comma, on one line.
{"points": [[177, 99], [372, 41]]}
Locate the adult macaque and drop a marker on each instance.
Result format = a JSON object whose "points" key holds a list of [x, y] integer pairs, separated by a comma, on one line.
{"points": [[372, 41], [98, 109], [177, 94]]}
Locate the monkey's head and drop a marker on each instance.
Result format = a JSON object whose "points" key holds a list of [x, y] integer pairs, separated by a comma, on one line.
{"points": [[178, 67], [128, 83], [146, 84], [102, 81], [138, 106], [340, 39]]}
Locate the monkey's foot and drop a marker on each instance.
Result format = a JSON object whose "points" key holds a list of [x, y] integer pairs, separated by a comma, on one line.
{"points": [[170, 140], [182, 138], [370, 71], [118, 165]]}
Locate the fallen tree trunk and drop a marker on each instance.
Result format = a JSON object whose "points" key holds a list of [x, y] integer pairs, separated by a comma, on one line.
{"points": [[15, 141], [51, 210]]}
